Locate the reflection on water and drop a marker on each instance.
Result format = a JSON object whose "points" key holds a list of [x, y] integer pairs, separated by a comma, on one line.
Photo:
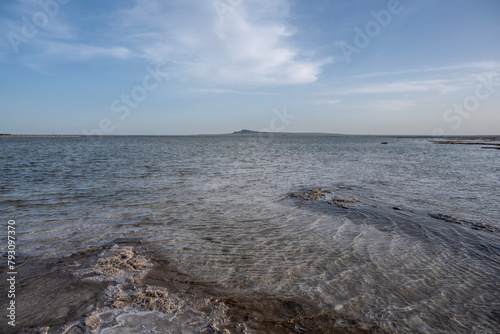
{"points": [[218, 209]]}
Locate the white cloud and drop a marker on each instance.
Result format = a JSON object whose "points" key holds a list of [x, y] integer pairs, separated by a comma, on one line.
{"points": [[247, 43], [441, 86], [82, 51], [440, 82], [34, 41], [331, 102], [485, 65], [23, 13], [230, 91], [375, 105], [389, 105]]}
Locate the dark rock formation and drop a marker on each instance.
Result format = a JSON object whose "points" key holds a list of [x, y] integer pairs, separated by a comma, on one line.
{"points": [[460, 142], [325, 196], [471, 224]]}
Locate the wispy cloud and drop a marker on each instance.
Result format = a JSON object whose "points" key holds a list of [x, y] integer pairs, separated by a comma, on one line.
{"points": [[389, 105], [330, 102], [22, 13], [441, 86], [485, 65], [248, 44], [82, 51], [230, 91], [375, 105], [251, 43]]}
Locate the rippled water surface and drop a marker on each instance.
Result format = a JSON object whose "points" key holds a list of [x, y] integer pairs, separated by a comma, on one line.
{"points": [[218, 207]]}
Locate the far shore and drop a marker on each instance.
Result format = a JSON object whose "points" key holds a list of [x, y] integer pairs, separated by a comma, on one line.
{"points": [[10, 135], [441, 140]]}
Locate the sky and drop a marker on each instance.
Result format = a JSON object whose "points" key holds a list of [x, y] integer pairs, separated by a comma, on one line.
{"points": [[152, 67]]}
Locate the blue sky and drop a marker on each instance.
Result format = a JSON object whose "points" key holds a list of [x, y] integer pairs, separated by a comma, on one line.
{"points": [[191, 66]]}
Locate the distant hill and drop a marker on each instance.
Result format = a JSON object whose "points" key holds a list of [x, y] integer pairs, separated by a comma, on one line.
{"points": [[244, 131]]}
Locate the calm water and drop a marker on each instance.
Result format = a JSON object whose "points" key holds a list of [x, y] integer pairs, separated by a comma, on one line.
{"points": [[218, 209]]}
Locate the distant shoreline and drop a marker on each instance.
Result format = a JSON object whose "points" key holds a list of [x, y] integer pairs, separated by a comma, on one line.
{"points": [[11, 135], [280, 134]]}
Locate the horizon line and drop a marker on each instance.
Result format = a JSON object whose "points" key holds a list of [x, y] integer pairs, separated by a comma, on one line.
{"points": [[237, 133]]}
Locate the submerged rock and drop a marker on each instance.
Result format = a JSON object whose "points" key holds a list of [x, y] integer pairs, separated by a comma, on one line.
{"points": [[326, 196], [311, 194], [340, 204], [471, 224]]}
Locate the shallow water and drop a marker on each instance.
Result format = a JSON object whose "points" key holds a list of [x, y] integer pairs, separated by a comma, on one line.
{"points": [[218, 209]]}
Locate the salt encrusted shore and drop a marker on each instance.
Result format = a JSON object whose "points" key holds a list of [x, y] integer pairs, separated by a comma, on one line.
{"points": [[127, 287]]}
